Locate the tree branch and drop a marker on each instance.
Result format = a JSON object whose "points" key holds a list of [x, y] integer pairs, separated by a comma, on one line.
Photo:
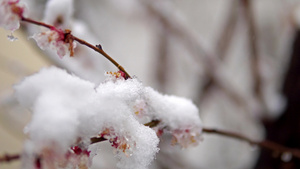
{"points": [[28, 20], [96, 48], [99, 49], [254, 53], [227, 32], [262, 144], [9, 158], [278, 148]]}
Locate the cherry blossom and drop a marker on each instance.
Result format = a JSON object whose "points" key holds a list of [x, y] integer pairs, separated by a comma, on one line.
{"points": [[120, 143], [178, 116], [56, 40], [186, 137], [116, 75], [11, 12]]}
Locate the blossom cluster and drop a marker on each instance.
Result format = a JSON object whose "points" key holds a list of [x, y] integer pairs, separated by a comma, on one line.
{"points": [[61, 41], [120, 143], [68, 111]]}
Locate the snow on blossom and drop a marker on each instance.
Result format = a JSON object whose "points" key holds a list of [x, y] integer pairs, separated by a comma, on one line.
{"points": [[66, 108], [54, 97], [11, 12], [54, 39], [178, 116], [68, 111]]}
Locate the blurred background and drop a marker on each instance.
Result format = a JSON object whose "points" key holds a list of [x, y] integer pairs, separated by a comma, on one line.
{"points": [[238, 60]]}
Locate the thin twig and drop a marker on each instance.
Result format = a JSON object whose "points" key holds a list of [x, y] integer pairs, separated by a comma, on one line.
{"points": [[152, 123], [9, 158], [263, 144], [97, 48], [163, 67], [226, 36], [254, 54], [101, 51], [28, 20], [97, 139]]}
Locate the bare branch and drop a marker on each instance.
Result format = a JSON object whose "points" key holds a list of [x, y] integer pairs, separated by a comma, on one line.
{"points": [[101, 51], [227, 32], [253, 42]]}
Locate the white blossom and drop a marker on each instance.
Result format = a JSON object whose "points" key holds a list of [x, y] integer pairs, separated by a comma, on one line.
{"points": [[55, 40], [11, 12]]}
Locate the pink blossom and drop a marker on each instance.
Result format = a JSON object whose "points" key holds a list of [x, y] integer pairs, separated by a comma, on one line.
{"points": [[119, 142], [116, 75], [187, 137], [51, 157], [54, 39], [11, 12]]}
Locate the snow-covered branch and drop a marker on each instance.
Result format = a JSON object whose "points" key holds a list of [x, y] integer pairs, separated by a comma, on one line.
{"points": [[275, 147]]}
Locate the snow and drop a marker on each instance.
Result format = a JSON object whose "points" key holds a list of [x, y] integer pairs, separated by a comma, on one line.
{"points": [[53, 95], [178, 116], [68, 111]]}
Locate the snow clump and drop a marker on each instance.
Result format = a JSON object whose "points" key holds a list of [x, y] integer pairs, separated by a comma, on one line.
{"points": [[68, 112]]}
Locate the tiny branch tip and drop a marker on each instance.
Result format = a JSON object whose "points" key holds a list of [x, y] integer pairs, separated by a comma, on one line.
{"points": [[99, 46]]}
